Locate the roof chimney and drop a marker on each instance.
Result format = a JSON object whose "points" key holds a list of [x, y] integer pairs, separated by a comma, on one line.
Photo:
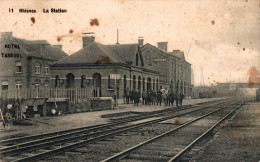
{"points": [[6, 34], [59, 46], [117, 37], [176, 51], [88, 39], [162, 45], [141, 41]]}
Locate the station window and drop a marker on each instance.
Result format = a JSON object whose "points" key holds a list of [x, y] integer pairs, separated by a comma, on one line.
{"points": [[37, 90], [57, 81], [83, 78], [18, 67], [110, 82], [18, 87], [37, 68], [46, 70]]}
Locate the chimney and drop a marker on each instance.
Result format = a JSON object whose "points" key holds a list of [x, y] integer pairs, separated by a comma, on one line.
{"points": [[6, 34], [88, 39], [175, 51], [141, 41], [162, 45], [59, 46]]}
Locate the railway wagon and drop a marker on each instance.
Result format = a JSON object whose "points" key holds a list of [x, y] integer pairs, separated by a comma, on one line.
{"points": [[206, 94], [258, 94]]}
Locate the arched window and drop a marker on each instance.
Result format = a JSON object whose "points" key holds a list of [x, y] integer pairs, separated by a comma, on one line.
{"points": [[143, 84], [137, 59], [97, 84], [150, 60], [57, 80], [83, 78], [139, 84], [153, 84], [124, 84], [148, 57], [149, 80], [70, 80], [157, 85], [134, 82]]}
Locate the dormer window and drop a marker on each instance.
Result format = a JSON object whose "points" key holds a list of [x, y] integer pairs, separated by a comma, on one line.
{"points": [[18, 67], [37, 69]]}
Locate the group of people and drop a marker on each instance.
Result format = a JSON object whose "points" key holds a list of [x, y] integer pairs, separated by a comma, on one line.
{"points": [[153, 98], [132, 97]]}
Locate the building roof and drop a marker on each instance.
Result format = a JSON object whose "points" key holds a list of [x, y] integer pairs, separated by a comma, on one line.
{"points": [[38, 48], [41, 48], [125, 51], [147, 45], [97, 53], [179, 54]]}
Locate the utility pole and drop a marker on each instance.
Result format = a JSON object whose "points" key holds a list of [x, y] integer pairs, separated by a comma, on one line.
{"points": [[202, 83], [117, 42]]}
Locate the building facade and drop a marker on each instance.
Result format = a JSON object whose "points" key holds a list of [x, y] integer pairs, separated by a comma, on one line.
{"points": [[105, 70], [175, 71], [25, 66], [102, 70]]}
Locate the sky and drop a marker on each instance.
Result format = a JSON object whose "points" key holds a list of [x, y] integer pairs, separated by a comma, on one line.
{"points": [[220, 37]]}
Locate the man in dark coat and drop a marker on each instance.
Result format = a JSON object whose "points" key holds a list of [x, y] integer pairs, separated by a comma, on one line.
{"points": [[181, 98], [159, 97], [177, 99], [169, 96], [127, 96], [144, 98], [132, 96], [172, 98], [136, 98]]}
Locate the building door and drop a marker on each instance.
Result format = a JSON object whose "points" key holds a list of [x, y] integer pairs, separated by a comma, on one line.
{"points": [[97, 84], [4, 91], [134, 83], [70, 80], [149, 84]]}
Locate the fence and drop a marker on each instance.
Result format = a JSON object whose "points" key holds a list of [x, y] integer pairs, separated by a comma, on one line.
{"points": [[72, 94]]}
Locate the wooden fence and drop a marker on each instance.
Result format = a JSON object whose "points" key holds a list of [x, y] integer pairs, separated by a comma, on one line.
{"points": [[72, 94]]}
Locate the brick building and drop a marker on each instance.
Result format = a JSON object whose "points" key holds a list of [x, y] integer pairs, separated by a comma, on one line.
{"points": [[25, 65], [105, 70], [175, 72]]}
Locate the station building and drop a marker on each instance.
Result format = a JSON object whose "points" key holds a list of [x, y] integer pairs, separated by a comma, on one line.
{"points": [[174, 70], [25, 65], [105, 70]]}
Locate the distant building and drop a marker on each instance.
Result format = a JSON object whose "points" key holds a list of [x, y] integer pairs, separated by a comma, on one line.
{"points": [[106, 70], [25, 65], [175, 72]]}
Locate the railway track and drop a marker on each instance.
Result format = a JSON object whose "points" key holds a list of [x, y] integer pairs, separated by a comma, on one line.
{"points": [[171, 145], [45, 145]]}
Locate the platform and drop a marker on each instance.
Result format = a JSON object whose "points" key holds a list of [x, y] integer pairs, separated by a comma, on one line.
{"points": [[68, 121]]}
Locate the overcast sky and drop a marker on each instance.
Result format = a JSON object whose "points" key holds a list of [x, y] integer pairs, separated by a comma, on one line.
{"points": [[222, 37]]}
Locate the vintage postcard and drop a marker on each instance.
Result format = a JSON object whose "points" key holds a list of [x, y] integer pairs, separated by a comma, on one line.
{"points": [[129, 80]]}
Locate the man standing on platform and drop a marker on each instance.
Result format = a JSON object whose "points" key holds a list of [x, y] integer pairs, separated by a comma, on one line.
{"points": [[159, 97]]}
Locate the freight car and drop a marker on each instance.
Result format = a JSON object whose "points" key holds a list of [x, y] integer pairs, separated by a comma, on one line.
{"points": [[258, 94]]}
